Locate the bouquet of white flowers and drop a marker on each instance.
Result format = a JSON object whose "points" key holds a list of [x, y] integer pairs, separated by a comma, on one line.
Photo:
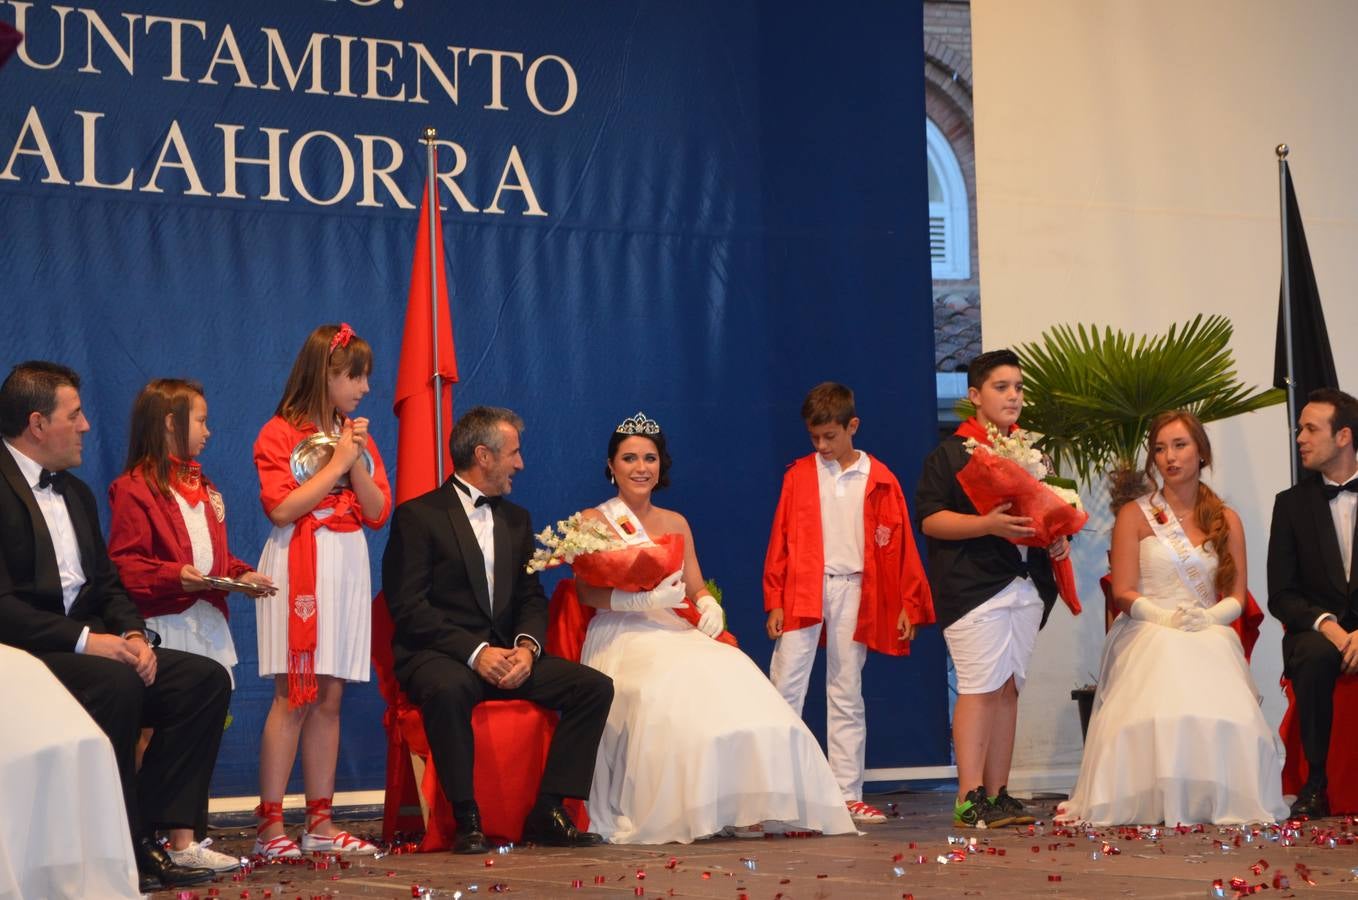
{"points": [[1007, 468], [576, 536]]}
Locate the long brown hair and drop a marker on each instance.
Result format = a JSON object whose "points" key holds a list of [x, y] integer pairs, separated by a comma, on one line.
{"points": [[305, 395], [1209, 510], [149, 445]]}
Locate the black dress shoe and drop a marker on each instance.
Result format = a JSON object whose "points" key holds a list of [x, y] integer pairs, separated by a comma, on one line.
{"points": [[1311, 803], [554, 828], [469, 838], [154, 864]]}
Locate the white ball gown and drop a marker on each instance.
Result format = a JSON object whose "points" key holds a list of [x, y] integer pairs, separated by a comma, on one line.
{"points": [[1177, 735], [698, 739]]}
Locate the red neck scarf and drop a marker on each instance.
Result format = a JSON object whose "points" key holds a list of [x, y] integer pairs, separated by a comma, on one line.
{"points": [[186, 477], [302, 607], [972, 428]]}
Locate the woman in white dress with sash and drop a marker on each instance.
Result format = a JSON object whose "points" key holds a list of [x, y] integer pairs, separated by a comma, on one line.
{"points": [[1177, 735], [698, 742]]}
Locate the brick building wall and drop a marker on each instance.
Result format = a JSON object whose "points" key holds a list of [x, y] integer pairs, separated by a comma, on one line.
{"points": [[948, 103]]}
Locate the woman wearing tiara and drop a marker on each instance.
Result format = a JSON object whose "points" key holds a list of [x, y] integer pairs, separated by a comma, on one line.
{"points": [[698, 741], [1177, 735]]}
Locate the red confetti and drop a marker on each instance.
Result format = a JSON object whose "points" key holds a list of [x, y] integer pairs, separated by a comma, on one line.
{"points": [[707, 874], [489, 863], [1036, 848], [897, 857], [912, 845], [639, 891], [577, 883], [1280, 881], [641, 874], [1002, 851], [599, 879], [1053, 877], [674, 861], [415, 890]]}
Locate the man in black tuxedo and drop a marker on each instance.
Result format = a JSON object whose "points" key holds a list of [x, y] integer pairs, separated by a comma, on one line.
{"points": [[469, 626], [1312, 582], [61, 600]]}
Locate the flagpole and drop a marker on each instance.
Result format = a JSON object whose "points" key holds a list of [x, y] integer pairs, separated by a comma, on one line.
{"points": [[1282, 151], [432, 202]]}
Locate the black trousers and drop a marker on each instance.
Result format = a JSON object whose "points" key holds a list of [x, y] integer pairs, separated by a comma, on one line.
{"points": [[186, 705], [447, 689], [1313, 665]]}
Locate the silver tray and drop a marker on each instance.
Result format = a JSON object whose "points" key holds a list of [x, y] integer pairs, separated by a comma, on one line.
{"points": [[312, 453], [232, 584]]}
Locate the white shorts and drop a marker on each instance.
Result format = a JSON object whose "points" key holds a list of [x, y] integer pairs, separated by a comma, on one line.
{"points": [[995, 640]]}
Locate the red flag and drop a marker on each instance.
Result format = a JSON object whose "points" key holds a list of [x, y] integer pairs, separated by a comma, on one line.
{"points": [[416, 466], [9, 40]]}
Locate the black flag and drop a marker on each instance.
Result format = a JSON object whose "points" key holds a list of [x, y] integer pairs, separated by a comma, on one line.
{"points": [[1312, 361]]}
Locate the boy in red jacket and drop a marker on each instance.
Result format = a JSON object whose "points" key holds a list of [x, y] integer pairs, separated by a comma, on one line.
{"points": [[841, 554]]}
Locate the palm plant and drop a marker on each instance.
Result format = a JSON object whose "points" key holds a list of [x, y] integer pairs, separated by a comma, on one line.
{"points": [[1092, 394]]}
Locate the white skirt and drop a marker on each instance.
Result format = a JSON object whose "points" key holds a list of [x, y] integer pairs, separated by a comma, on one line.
{"points": [[343, 605], [698, 739], [200, 629]]}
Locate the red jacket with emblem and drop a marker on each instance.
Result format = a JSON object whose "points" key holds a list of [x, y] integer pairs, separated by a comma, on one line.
{"points": [[149, 543], [794, 568]]}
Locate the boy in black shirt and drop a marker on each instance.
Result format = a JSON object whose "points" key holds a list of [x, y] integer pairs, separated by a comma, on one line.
{"points": [[990, 595]]}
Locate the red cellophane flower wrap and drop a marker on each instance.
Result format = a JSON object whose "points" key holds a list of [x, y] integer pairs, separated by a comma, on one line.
{"points": [[990, 480], [636, 568]]}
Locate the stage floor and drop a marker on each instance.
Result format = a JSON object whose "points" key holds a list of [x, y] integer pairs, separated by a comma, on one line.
{"points": [[898, 859]]}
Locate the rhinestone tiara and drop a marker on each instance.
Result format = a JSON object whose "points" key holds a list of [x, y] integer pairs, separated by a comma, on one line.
{"points": [[638, 424]]}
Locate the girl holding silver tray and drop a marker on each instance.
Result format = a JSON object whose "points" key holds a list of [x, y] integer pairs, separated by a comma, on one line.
{"points": [[321, 480]]}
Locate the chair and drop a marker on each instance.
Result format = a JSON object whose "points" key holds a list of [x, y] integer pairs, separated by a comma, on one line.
{"points": [[1343, 788], [512, 738]]}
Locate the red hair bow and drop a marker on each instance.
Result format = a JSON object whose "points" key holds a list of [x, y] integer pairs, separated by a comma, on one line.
{"points": [[342, 337]]}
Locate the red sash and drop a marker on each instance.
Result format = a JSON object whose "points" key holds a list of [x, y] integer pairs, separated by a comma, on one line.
{"points": [[302, 610]]}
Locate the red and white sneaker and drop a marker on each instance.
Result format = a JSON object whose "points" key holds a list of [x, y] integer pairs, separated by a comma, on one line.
{"points": [[318, 811], [340, 842], [863, 814], [279, 847]]}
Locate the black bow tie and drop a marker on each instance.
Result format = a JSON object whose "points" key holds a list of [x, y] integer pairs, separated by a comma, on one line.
{"points": [[55, 480], [481, 501], [1334, 490]]}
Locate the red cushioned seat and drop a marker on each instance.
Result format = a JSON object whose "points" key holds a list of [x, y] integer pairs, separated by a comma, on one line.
{"points": [[1343, 787], [512, 738]]}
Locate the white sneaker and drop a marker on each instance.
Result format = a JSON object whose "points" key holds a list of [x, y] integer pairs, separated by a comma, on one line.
{"points": [[197, 856], [341, 842]]}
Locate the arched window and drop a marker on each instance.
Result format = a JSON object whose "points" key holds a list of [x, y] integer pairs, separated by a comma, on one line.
{"points": [[949, 228]]}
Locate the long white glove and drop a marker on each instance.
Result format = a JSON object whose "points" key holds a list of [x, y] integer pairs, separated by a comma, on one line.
{"points": [[712, 621], [1224, 612], [1145, 610], [668, 594]]}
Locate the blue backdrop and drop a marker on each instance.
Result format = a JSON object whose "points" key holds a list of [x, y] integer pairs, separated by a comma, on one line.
{"points": [[697, 209]]}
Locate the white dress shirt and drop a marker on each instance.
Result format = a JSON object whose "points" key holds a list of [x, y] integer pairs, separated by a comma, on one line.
{"points": [[200, 539], [58, 518], [1342, 509], [841, 513], [482, 520]]}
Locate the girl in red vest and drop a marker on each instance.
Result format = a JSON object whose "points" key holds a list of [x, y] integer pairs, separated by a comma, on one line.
{"points": [[168, 531]]}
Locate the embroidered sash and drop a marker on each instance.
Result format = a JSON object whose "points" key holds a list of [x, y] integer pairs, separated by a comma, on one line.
{"points": [[1189, 561]]}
